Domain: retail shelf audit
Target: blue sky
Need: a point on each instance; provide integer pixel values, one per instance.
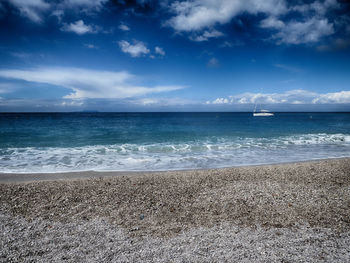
(208, 55)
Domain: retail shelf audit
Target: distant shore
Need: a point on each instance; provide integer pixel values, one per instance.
(291, 212)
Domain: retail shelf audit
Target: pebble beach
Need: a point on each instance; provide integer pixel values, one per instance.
(297, 212)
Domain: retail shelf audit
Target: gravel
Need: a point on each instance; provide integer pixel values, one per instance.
(277, 213)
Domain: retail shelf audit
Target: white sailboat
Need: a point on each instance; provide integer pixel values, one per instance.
(262, 113)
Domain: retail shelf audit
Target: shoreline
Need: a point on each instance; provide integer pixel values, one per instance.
(91, 174)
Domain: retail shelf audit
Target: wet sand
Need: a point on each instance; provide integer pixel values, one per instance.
(273, 213)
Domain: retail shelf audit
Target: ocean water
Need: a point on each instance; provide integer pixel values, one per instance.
(57, 142)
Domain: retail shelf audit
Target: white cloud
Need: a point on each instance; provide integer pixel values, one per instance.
(309, 31)
(219, 101)
(336, 97)
(86, 83)
(59, 14)
(319, 8)
(163, 102)
(206, 35)
(197, 15)
(31, 8)
(35, 9)
(159, 51)
(79, 27)
(289, 97)
(124, 27)
(136, 50)
(272, 22)
(88, 4)
(74, 103)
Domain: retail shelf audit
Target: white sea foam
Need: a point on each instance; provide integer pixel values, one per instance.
(209, 153)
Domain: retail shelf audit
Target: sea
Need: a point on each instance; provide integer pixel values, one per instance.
(65, 142)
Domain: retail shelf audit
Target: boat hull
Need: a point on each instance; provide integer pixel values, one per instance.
(262, 114)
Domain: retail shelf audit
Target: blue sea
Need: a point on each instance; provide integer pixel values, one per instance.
(59, 142)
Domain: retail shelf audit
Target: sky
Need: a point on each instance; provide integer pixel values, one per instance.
(190, 55)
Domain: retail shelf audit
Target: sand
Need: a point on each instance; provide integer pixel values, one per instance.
(296, 212)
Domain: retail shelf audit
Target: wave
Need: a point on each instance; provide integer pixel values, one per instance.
(209, 153)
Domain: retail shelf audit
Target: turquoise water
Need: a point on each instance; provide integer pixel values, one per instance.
(55, 142)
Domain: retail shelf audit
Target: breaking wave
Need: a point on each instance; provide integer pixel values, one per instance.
(209, 153)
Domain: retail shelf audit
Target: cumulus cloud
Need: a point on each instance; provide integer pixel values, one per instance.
(219, 101)
(289, 97)
(124, 27)
(317, 7)
(86, 83)
(70, 103)
(272, 22)
(159, 51)
(79, 27)
(162, 102)
(206, 35)
(198, 15)
(336, 97)
(295, 32)
(136, 50)
(310, 28)
(311, 24)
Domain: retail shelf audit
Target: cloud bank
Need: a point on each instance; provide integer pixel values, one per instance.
(85, 83)
(289, 97)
